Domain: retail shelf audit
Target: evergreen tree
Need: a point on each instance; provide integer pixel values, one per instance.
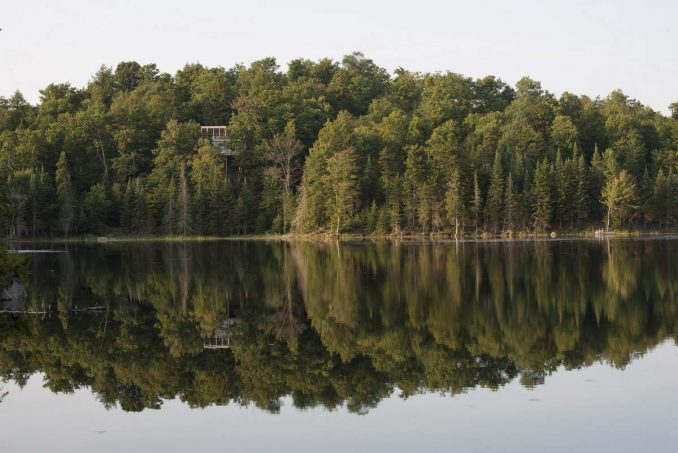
(541, 215)
(65, 194)
(383, 222)
(272, 198)
(495, 194)
(141, 216)
(620, 197)
(42, 203)
(96, 208)
(373, 217)
(199, 210)
(660, 199)
(169, 218)
(582, 200)
(418, 176)
(564, 179)
(394, 203)
(342, 175)
(672, 198)
(244, 209)
(207, 174)
(454, 203)
(184, 205)
(477, 202)
(510, 204)
(597, 181)
(334, 137)
(126, 214)
(646, 195)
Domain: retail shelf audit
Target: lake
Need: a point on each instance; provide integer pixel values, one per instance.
(550, 345)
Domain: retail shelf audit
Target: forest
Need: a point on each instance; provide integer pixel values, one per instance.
(330, 147)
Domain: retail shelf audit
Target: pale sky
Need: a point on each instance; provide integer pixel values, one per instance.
(585, 47)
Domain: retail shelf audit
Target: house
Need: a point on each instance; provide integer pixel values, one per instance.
(219, 138)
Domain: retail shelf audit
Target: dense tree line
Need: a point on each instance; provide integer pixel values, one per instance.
(334, 325)
(329, 146)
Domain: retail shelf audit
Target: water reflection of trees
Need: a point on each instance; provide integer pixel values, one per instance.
(331, 325)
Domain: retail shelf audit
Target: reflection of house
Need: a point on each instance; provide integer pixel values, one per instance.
(219, 138)
(222, 335)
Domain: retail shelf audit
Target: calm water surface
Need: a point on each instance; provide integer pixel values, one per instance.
(252, 346)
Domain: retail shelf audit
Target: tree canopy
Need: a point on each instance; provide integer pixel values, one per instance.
(430, 153)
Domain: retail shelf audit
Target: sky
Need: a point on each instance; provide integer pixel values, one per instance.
(585, 47)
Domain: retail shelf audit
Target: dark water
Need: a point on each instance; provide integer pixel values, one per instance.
(252, 346)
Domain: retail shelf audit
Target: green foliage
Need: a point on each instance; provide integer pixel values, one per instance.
(410, 133)
(356, 83)
(95, 209)
(564, 133)
(621, 198)
(341, 185)
(674, 110)
(542, 196)
(65, 194)
(495, 195)
(454, 203)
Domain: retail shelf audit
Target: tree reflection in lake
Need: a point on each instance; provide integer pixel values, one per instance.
(333, 324)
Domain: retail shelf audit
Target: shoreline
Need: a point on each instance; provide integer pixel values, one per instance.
(348, 237)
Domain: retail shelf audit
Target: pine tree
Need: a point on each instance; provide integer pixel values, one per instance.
(510, 204)
(96, 207)
(454, 202)
(383, 221)
(142, 220)
(372, 217)
(671, 198)
(126, 214)
(660, 198)
(418, 187)
(170, 214)
(199, 210)
(477, 202)
(394, 203)
(495, 194)
(64, 193)
(561, 195)
(541, 215)
(525, 199)
(582, 200)
(271, 199)
(34, 188)
(226, 206)
(184, 218)
(245, 204)
(596, 182)
(611, 166)
(646, 197)
(342, 177)
(42, 202)
(620, 196)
